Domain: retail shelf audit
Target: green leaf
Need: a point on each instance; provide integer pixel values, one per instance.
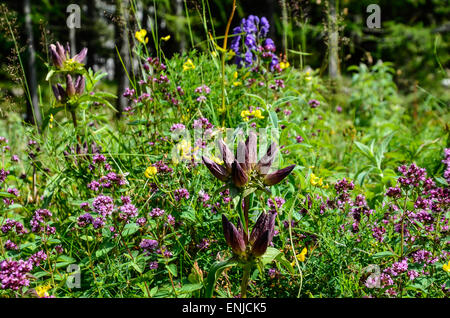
(172, 268)
(136, 267)
(383, 254)
(214, 273)
(105, 250)
(189, 288)
(49, 74)
(64, 261)
(270, 255)
(130, 229)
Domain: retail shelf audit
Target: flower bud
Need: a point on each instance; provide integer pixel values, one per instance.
(227, 155)
(278, 176)
(238, 175)
(265, 162)
(70, 88)
(233, 237)
(261, 244)
(251, 153)
(217, 170)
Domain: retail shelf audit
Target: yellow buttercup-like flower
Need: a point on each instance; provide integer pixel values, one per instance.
(284, 65)
(150, 171)
(141, 36)
(166, 38)
(446, 267)
(189, 65)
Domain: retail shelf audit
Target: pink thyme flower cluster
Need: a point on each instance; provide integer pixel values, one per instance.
(156, 212)
(446, 161)
(15, 274)
(149, 246)
(180, 194)
(127, 210)
(39, 222)
(203, 90)
(14, 192)
(275, 204)
(177, 127)
(13, 225)
(108, 181)
(412, 175)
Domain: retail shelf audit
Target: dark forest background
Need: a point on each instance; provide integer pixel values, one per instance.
(414, 36)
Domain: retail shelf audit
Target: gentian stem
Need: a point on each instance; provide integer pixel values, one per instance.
(245, 279)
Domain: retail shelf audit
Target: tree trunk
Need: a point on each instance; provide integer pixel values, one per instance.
(122, 40)
(333, 43)
(180, 26)
(33, 110)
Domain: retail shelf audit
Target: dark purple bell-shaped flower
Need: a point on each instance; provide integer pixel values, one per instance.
(239, 169)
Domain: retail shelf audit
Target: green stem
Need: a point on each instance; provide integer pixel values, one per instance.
(245, 280)
(223, 58)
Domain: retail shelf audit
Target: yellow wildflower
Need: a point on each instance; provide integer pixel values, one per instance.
(189, 65)
(284, 65)
(315, 181)
(302, 255)
(51, 121)
(166, 38)
(253, 113)
(446, 267)
(42, 291)
(308, 76)
(235, 76)
(150, 171)
(141, 36)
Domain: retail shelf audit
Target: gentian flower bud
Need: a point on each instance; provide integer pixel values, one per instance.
(278, 176)
(217, 170)
(70, 88)
(261, 244)
(233, 237)
(238, 175)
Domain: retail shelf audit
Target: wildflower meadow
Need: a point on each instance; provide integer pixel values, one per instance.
(237, 166)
